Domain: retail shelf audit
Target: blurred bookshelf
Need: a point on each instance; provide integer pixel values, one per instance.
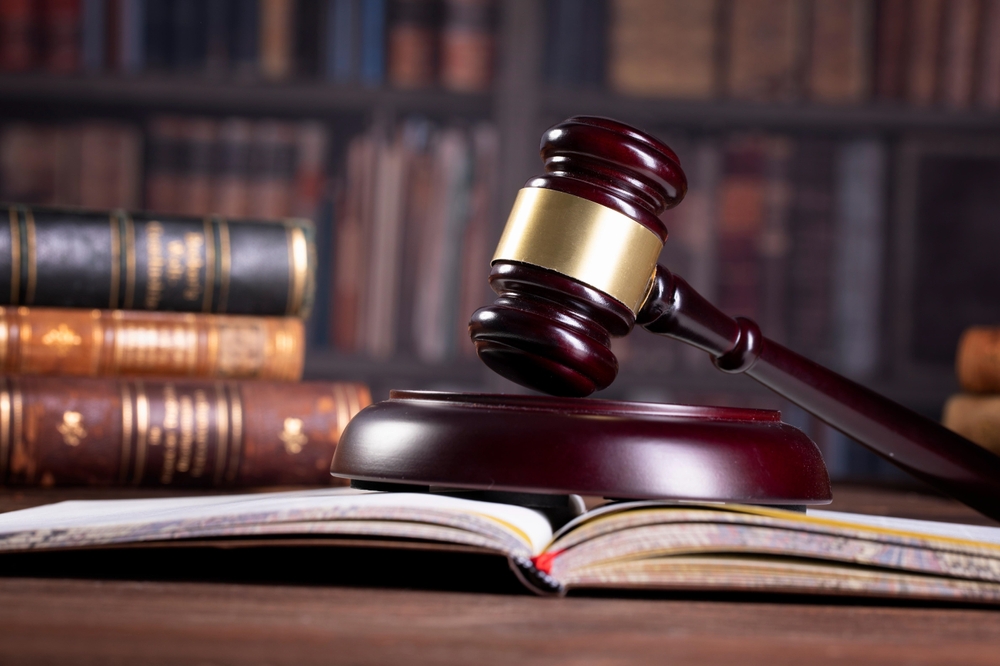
(822, 106)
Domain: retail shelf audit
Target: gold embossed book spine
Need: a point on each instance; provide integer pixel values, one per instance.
(116, 432)
(76, 342)
(143, 261)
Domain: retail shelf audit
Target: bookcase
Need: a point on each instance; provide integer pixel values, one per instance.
(524, 99)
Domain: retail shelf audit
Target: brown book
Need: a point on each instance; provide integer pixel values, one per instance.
(79, 342)
(412, 43)
(277, 21)
(61, 22)
(272, 169)
(988, 71)
(110, 163)
(892, 22)
(975, 417)
(231, 169)
(467, 45)
(28, 165)
(194, 171)
(664, 48)
(927, 22)
(765, 45)
(162, 175)
(18, 28)
(108, 432)
(958, 63)
(977, 362)
(840, 54)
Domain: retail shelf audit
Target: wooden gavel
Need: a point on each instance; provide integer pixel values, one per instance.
(577, 265)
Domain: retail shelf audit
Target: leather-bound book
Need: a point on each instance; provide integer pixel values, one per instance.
(61, 21)
(892, 33)
(412, 37)
(467, 45)
(840, 58)
(18, 38)
(925, 51)
(77, 342)
(277, 18)
(765, 45)
(112, 432)
(987, 85)
(144, 261)
(664, 48)
(963, 20)
(977, 362)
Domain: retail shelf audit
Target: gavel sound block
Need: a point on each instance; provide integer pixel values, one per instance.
(576, 265)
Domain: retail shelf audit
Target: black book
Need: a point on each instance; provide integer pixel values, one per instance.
(88, 259)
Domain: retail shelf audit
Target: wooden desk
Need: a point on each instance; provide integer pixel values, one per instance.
(93, 621)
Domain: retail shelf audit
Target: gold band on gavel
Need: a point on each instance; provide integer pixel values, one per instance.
(583, 240)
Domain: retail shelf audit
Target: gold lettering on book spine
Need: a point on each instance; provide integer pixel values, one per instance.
(127, 425)
(171, 419)
(155, 263)
(236, 414)
(142, 429)
(71, 428)
(116, 261)
(292, 436)
(63, 338)
(15, 256)
(222, 432)
(298, 268)
(5, 409)
(187, 434)
(202, 421)
(29, 292)
(206, 304)
(17, 431)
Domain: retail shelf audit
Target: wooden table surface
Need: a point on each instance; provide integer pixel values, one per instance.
(83, 621)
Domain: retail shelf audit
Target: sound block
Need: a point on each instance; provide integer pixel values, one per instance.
(560, 446)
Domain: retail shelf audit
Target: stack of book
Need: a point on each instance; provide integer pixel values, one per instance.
(410, 43)
(975, 413)
(919, 52)
(140, 349)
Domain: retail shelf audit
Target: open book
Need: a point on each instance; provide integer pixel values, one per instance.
(627, 545)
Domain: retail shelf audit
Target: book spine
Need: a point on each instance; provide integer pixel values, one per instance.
(110, 432)
(467, 45)
(308, 15)
(962, 22)
(132, 49)
(975, 417)
(373, 20)
(276, 25)
(189, 35)
(412, 37)
(158, 33)
(838, 66)
(72, 258)
(92, 40)
(246, 38)
(18, 38)
(892, 18)
(977, 362)
(764, 49)
(83, 343)
(925, 51)
(988, 75)
(61, 21)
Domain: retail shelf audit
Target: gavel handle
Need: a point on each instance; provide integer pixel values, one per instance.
(922, 447)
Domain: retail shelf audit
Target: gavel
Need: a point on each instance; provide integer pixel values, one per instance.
(577, 265)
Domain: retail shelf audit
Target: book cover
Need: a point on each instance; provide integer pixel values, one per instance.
(76, 342)
(467, 45)
(977, 361)
(373, 42)
(412, 43)
(963, 19)
(60, 35)
(277, 18)
(892, 48)
(188, 433)
(18, 35)
(987, 82)
(927, 27)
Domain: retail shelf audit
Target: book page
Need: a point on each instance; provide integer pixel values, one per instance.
(510, 529)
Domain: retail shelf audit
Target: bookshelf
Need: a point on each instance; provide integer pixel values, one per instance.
(521, 104)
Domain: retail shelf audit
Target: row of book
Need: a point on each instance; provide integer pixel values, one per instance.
(407, 43)
(920, 52)
(141, 349)
(414, 224)
(193, 165)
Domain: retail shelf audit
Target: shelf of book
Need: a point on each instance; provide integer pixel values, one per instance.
(735, 114)
(164, 93)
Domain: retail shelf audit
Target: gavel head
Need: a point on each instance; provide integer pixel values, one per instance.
(577, 257)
